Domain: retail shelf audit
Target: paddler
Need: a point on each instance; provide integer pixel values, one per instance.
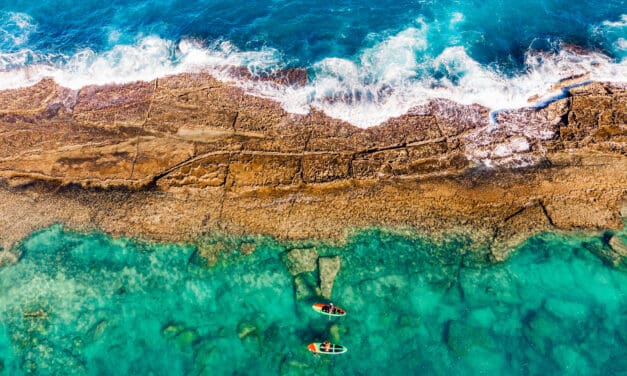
(326, 346)
(330, 307)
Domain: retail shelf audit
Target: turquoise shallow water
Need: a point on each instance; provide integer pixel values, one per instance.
(89, 304)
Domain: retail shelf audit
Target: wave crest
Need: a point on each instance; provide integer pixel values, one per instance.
(383, 81)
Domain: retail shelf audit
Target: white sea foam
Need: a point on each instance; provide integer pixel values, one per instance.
(617, 24)
(388, 80)
(149, 58)
(385, 80)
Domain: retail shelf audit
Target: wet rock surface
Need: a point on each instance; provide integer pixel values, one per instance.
(185, 155)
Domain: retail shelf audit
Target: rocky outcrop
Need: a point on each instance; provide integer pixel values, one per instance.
(182, 156)
(530, 219)
(329, 267)
(300, 261)
(618, 245)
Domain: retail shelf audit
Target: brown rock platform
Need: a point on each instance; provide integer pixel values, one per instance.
(186, 155)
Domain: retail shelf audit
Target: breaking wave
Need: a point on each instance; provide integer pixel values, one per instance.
(384, 80)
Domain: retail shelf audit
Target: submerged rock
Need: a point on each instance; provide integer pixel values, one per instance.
(7, 258)
(181, 335)
(29, 366)
(305, 286)
(294, 367)
(570, 360)
(171, 330)
(336, 331)
(565, 309)
(462, 338)
(540, 331)
(329, 267)
(204, 358)
(300, 260)
(247, 248)
(245, 329)
(210, 252)
(618, 245)
(608, 256)
(186, 338)
(97, 330)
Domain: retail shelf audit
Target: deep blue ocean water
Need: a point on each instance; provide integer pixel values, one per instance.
(379, 57)
(87, 304)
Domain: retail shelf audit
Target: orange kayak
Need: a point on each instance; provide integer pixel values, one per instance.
(332, 349)
(324, 309)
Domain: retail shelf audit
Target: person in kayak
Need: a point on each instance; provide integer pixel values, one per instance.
(330, 307)
(326, 346)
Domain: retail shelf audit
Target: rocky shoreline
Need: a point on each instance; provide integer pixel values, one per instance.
(183, 156)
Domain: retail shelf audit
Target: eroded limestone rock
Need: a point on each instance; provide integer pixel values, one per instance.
(183, 156)
(329, 267)
(300, 260)
(531, 219)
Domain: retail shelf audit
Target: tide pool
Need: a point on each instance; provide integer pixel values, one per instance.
(89, 304)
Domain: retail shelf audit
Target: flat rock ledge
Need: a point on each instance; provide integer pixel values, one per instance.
(184, 156)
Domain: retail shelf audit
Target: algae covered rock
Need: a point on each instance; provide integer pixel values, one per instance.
(245, 329)
(207, 254)
(170, 330)
(180, 334)
(186, 338)
(294, 367)
(609, 257)
(336, 331)
(300, 260)
(247, 248)
(329, 267)
(305, 286)
(7, 258)
(618, 245)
